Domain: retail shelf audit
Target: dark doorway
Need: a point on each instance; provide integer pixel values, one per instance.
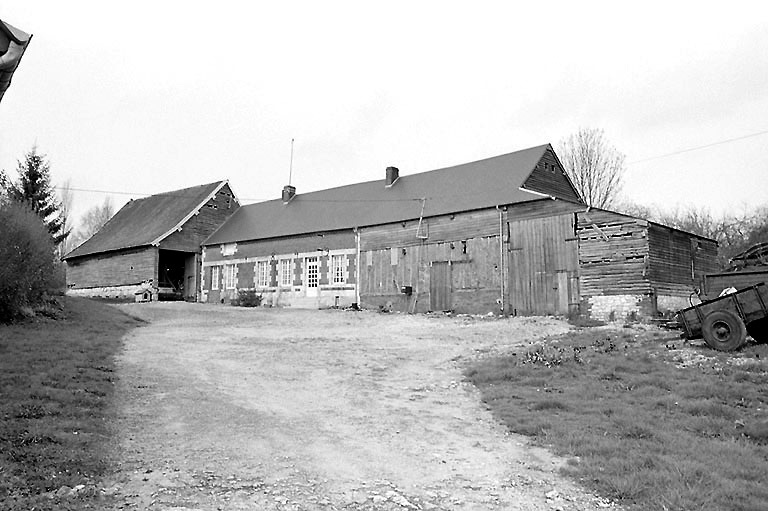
(171, 274)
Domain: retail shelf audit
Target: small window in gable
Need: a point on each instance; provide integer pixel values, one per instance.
(228, 249)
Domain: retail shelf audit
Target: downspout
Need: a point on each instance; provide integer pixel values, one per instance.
(501, 260)
(202, 276)
(357, 270)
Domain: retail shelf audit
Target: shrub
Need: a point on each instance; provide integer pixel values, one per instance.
(26, 260)
(247, 298)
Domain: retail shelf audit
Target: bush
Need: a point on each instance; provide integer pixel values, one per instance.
(247, 298)
(26, 260)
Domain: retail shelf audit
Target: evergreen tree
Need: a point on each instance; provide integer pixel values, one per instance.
(34, 190)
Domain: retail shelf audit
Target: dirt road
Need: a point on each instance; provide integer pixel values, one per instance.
(268, 409)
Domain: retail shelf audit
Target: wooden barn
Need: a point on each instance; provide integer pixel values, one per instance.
(507, 234)
(151, 246)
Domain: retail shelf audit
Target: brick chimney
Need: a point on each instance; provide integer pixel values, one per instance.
(288, 193)
(392, 174)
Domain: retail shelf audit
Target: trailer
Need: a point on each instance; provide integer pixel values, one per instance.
(725, 321)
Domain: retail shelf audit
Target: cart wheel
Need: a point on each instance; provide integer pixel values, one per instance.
(758, 329)
(724, 330)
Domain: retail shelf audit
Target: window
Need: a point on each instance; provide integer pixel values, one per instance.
(262, 275)
(215, 276)
(285, 272)
(228, 249)
(230, 276)
(337, 269)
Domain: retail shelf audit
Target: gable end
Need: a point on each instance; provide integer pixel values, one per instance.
(549, 178)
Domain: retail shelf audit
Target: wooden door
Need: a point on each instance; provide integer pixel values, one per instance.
(312, 277)
(440, 286)
(543, 265)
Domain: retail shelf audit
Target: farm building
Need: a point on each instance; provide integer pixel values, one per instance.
(151, 246)
(507, 234)
(746, 269)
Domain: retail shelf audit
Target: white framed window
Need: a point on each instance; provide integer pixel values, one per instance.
(286, 278)
(338, 270)
(215, 277)
(262, 273)
(230, 276)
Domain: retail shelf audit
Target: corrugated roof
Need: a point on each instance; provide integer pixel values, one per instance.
(13, 42)
(480, 184)
(145, 221)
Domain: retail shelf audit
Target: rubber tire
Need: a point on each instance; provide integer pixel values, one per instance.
(724, 331)
(758, 329)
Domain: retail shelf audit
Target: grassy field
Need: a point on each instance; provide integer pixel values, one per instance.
(642, 418)
(56, 385)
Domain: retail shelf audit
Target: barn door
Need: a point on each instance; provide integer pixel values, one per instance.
(440, 286)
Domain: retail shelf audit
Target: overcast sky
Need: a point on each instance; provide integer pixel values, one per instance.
(144, 97)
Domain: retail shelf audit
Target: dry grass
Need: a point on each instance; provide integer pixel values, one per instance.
(56, 381)
(645, 420)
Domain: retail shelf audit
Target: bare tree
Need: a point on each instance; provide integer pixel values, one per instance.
(66, 199)
(594, 166)
(93, 220)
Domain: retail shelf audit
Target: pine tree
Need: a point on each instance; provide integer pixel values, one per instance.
(34, 190)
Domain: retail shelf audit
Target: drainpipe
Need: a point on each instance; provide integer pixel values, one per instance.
(357, 270)
(501, 259)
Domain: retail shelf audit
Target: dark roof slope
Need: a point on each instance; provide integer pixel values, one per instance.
(481, 184)
(145, 221)
(13, 42)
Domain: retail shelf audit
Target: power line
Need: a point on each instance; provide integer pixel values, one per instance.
(698, 147)
(244, 199)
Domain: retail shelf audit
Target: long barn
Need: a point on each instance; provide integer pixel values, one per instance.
(504, 235)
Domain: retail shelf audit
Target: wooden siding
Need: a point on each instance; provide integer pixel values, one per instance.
(678, 260)
(288, 245)
(549, 178)
(475, 280)
(459, 226)
(201, 225)
(545, 275)
(613, 254)
(122, 268)
(715, 283)
(543, 265)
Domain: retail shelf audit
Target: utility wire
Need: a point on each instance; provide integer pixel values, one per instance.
(651, 158)
(698, 147)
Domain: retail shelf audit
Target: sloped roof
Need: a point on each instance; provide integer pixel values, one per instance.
(13, 42)
(477, 185)
(147, 221)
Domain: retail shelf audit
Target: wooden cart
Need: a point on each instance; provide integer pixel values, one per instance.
(725, 321)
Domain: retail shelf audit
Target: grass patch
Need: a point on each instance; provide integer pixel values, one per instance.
(651, 423)
(56, 385)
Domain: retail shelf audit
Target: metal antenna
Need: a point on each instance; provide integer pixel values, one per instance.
(290, 169)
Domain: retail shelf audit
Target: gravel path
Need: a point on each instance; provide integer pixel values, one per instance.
(269, 409)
